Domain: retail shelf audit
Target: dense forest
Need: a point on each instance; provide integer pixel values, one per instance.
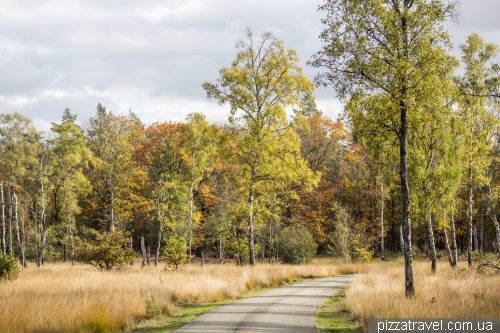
(229, 190)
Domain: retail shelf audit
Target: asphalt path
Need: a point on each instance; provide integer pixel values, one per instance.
(289, 309)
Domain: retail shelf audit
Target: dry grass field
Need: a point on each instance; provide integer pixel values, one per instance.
(63, 298)
(451, 293)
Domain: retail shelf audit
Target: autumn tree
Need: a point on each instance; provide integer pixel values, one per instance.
(262, 81)
(323, 145)
(436, 146)
(389, 47)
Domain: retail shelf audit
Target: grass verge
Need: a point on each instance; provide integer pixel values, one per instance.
(333, 316)
(187, 312)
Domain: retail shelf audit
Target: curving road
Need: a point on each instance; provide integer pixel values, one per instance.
(288, 309)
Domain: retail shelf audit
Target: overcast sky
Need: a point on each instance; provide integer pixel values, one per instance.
(152, 56)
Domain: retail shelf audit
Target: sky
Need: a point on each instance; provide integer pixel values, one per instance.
(153, 56)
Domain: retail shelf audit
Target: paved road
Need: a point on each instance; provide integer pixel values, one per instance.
(289, 309)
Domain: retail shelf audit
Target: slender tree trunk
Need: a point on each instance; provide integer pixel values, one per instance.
(250, 228)
(111, 226)
(131, 246)
(401, 239)
(18, 234)
(160, 230)
(475, 242)
(220, 249)
(454, 241)
(447, 244)
(41, 250)
(493, 215)
(430, 231)
(68, 221)
(403, 155)
(270, 240)
(405, 195)
(9, 195)
(480, 231)
(144, 255)
(190, 218)
(23, 241)
(382, 217)
(68, 231)
(432, 245)
(3, 219)
(484, 232)
(469, 215)
(191, 185)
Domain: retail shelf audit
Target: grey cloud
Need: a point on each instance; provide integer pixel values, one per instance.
(89, 51)
(20, 76)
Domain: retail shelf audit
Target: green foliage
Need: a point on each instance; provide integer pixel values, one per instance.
(9, 270)
(296, 245)
(106, 251)
(175, 252)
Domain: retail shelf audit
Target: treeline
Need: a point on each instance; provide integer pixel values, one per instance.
(227, 190)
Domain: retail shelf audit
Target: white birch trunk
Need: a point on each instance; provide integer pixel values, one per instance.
(382, 217)
(454, 241)
(4, 248)
(9, 196)
(144, 255)
(18, 234)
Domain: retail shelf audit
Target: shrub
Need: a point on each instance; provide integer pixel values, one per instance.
(9, 270)
(175, 252)
(107, 251)
(296, 245)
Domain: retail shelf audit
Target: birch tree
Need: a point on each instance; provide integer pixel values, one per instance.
(390, 47)
(480, 118)
(264, 79)
(17, 137)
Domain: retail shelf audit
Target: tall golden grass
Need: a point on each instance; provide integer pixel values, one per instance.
(59, 297)
(450, 293)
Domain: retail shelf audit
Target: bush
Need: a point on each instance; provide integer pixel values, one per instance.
(107, 251)
(9, 270)
(175, 252)
(296, 245)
